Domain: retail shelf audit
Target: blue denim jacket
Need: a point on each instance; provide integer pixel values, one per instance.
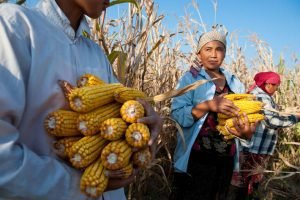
(181, 111)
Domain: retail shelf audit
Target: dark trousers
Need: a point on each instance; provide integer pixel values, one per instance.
(208, 178)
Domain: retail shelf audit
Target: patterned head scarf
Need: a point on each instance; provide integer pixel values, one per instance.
(214, 35)
(262, 78)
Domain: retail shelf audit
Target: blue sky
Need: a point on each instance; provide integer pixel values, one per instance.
(277, 22)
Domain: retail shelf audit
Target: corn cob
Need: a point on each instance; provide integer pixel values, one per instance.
(113, 128)
(124, 94)
(62, 123)
(131, 111)
(141, 158)
(63, 146)
(86, 150)
(251, 117)
(116, 155)
(86, 99)
(89, 80)
(89, 123)
(137, 135)
(94, 181)
(247, 107)
(122, 173)
(234, 97)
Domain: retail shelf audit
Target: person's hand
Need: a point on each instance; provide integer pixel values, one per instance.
(243, 128)
(220, 104)
(114, 182)
(153, 121)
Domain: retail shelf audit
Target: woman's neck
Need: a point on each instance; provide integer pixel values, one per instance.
(214, 73)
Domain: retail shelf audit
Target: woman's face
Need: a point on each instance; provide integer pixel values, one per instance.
(271, 88)
(92, 8)
(212, 55)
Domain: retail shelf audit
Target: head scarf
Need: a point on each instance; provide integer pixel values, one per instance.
(262, 78)
(213, 35)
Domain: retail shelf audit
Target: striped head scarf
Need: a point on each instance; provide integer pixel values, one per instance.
(214, 35)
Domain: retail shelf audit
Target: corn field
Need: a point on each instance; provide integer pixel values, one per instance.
(146, 56)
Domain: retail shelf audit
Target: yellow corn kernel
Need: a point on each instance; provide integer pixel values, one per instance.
(116, 155)
(251, 118)
(131, 111)
(234, 97)
(62, 147)
(137, 135)
(89, 98)
(124, 94)
(86, 150)
(113, 128)
(89, 80)
(89, 123)
(245, 106)
(94, 181)
(62, 123)
(142, 158)
(122, 173)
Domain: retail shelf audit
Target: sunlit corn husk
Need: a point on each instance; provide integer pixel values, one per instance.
(63, 146)
(137, 135)
(89, 80)
(89, 123)
(94, 181)
(86, 99)
(86, 150)
(113, 128)
(131, 111)
(116, 155)
(62, 123)
(142, 158)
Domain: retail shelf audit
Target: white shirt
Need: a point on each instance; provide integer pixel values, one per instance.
(38, 47)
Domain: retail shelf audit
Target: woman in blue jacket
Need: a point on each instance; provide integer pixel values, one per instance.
(204, 160)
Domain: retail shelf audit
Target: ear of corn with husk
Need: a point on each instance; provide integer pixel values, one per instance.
(86, 150)
(247, 104)
(142, 158)
(116, 155)
(86, 99)
(131, 111)
(113, 129)
(137, 135)
(94, 181)
(124, 94)
(62, 123)
(89, 80)
(89, 123)
(63, 146)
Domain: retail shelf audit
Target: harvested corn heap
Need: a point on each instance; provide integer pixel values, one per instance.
(248, 104)
(92, 136)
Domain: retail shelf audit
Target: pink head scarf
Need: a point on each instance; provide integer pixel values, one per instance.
(262, 78)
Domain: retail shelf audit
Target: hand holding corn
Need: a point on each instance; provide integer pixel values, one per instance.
(248, 117)
(154, 122)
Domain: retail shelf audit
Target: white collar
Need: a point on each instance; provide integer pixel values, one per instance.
(56, 16)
